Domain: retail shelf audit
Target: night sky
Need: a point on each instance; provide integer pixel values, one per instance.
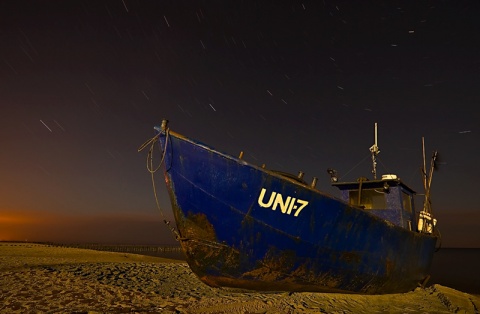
(297, 85)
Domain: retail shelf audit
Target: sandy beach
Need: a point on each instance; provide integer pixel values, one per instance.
(37, 278)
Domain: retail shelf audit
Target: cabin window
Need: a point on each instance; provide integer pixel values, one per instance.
(370, 199)
(407, 202)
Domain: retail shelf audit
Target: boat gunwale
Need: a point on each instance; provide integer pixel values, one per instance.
(291, 180)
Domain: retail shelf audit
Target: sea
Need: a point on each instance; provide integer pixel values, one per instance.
(457, 268)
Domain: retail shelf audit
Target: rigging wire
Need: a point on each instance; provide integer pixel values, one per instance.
(152, 143)
(368, 156)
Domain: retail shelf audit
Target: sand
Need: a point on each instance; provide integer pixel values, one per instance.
(36, 278)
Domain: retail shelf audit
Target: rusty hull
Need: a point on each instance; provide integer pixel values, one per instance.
(231, 239)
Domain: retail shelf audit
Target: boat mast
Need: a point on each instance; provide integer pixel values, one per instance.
(375, 151)
(427, 178)
(426, 222)
(424, 169)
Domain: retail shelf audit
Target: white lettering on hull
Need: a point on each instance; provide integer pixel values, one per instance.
(286, 205)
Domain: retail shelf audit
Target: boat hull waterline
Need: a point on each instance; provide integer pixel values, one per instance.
(244, 226)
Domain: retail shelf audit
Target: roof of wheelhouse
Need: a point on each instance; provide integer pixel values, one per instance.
(372, 184)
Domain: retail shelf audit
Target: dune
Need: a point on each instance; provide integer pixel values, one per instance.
(41, 278)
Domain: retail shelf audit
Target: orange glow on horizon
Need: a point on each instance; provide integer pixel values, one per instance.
(14, 223)
(22, 216)
(40, 226)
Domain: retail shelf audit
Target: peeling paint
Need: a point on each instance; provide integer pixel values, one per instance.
(230, 240)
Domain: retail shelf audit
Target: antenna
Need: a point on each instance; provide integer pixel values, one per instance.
(375, 151)
(424, 169)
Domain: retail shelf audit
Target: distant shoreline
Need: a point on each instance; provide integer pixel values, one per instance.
(151, 250)
(82, 244)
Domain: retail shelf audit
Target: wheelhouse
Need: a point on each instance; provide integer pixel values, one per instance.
(388, 198)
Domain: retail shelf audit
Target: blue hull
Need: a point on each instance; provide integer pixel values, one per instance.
(247, 227)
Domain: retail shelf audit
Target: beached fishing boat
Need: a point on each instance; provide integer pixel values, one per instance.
(242, 225)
